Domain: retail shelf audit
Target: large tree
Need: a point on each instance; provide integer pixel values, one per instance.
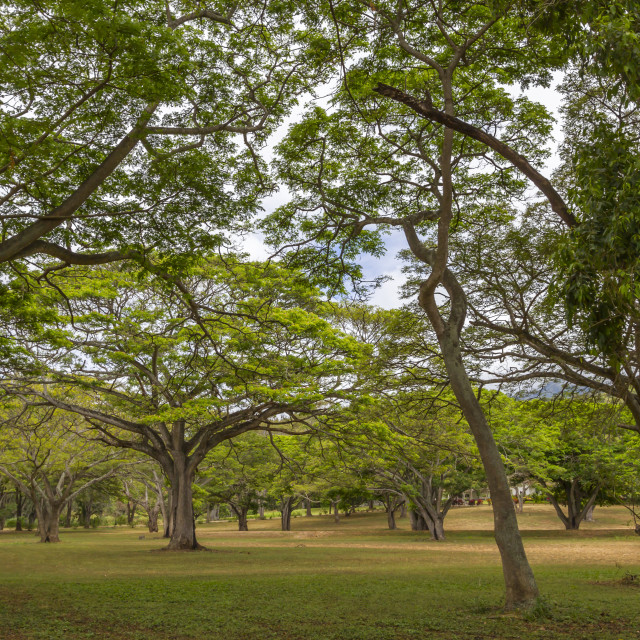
(137, 125)
(52, 457)
(380, 158)
(172, 380)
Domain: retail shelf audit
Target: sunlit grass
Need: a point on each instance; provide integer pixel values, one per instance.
(354, 579)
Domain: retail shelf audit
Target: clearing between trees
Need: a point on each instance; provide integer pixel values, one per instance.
(322, 580)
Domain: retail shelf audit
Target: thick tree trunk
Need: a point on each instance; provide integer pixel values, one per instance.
(418, 523)
(214, 514)
(521, 588)
(429, 518)
(183, 525)
(49, 522)
(87, 509)
(438, 529)
(308, 514)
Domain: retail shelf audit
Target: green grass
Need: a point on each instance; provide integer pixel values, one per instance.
(347, 581)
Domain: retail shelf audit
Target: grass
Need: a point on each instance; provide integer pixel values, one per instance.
(347, 581)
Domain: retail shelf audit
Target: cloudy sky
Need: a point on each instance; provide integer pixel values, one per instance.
(388, 265)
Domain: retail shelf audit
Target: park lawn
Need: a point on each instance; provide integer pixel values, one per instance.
(352, 580)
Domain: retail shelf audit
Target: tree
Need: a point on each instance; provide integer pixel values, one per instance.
(569, 297)
(382, 158)
(251, 351)
(423, 456)
(52, 457)
(569, 448)
(237, 472)
(113, 112)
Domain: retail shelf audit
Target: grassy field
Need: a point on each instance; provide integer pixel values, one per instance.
(352, 580)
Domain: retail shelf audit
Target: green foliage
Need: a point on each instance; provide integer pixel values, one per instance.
(78, 78)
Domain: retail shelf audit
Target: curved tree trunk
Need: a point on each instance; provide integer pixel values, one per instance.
(131, 512)
(521, 588)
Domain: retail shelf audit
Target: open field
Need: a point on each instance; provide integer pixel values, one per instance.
(352, 580)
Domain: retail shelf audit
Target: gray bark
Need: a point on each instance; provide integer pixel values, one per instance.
(182, 520)
(286, 507)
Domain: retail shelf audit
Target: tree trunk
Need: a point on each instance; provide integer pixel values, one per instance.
(336, 511)
(308, 514)
(575, 511)
(165, 509)
(521, 588)
(241, 512)
(67, 519)
(183, 524)
(152, 522)
(19, 504)
(520, 496)
(418, 523)
(286, 507)
(438, 529)
(214, 514)
(588, 516)
(131, 512)
(87, 509)
(49, 522)
(403, 509)
(391, 518)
